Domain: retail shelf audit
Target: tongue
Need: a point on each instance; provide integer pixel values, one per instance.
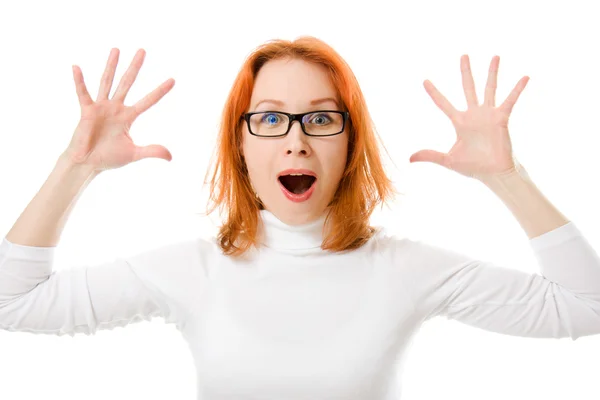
(297, 184)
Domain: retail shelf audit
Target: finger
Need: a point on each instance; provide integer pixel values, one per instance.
(492, 82)
(439, 99)
(512, 98)
(153, 97)
(152, 151)
(468, 83)
(430, 156)
(109, 74)
(82, 92)
(129, 76)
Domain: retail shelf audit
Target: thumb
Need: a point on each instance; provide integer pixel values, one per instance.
(430, 156)
(152, 151)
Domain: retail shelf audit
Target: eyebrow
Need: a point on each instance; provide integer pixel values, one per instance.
(312, 103)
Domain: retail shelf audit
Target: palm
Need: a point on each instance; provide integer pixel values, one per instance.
(101, 138)
(483, 146)
(109, 143)
(478, 152)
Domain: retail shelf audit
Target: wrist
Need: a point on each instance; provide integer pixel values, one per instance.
(79, 171)
(513, 175)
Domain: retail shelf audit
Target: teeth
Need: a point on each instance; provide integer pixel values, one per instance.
(296, 174)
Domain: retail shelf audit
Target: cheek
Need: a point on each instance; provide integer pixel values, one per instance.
(338, 157)
(257, 160)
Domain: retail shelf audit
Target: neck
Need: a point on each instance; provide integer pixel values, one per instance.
(278, 235)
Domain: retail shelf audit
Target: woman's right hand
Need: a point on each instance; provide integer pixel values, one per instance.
(101, 140)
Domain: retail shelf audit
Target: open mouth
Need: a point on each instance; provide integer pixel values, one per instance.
(297, 183)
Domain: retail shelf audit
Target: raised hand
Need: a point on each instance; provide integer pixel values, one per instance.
(483, 147)
(101, 139)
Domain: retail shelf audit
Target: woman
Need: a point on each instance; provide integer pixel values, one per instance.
(298, 297)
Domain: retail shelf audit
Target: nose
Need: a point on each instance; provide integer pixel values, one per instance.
(297, 142)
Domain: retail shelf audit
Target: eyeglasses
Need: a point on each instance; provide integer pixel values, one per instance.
(314, 123)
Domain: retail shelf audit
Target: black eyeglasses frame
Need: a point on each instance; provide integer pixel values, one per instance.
(296, 117)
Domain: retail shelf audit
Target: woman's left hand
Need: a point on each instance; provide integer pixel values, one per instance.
(483, 147)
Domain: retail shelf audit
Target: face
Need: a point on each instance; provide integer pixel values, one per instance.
(294, 86)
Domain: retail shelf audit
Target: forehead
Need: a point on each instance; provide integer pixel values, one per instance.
(294, 82)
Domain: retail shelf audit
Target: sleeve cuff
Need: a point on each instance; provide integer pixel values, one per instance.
(555, 237)
(26, 252)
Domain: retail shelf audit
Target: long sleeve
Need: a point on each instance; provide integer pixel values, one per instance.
(161, 282)
(561, 301)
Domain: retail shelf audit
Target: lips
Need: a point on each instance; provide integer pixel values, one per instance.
(297, 184)
(297, 171)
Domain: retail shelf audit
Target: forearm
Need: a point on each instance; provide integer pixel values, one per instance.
(44, 218)
(531, 208)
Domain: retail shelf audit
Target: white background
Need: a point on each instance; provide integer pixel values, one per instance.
(392, 47)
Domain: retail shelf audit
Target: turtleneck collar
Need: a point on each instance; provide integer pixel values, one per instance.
(280, 236)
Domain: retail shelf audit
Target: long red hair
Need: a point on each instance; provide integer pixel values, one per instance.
(362, 187)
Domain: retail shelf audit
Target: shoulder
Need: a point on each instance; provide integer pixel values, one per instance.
(394, 245)
(182, 248)
(405, 251)
(186, 257)
(427, 272)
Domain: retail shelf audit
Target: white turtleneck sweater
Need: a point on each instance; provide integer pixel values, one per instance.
(292, 321)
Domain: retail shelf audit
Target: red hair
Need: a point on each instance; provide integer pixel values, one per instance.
(362, 187)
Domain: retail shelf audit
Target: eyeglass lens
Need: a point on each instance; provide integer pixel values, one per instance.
(317, 123)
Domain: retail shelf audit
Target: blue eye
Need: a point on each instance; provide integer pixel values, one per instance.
(270, 118)
(320, 119)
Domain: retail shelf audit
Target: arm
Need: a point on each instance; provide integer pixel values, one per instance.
(564, 300)
(162, 282)
(44, 218)
(34, 298)
(561, 301)
(530, 207)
